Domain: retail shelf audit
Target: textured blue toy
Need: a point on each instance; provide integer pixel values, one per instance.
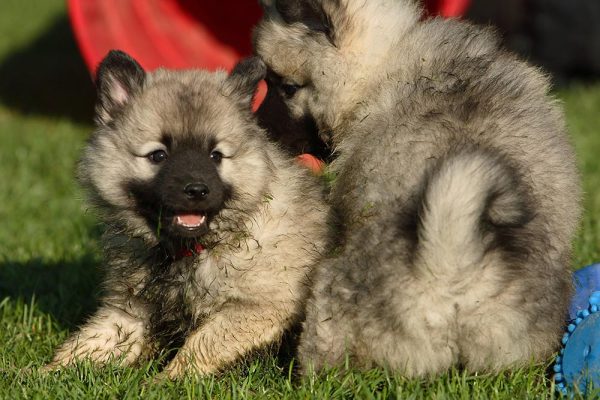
(577, 367)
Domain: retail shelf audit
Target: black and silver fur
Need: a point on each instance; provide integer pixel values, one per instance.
(211, 231)
(456, 186)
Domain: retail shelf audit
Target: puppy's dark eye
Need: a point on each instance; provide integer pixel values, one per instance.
(158, 156)
(289, 90)
(216, 156)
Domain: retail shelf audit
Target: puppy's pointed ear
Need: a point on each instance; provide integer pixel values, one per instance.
(269, 7)
(244, 79)
(118, 78)
(307, 12)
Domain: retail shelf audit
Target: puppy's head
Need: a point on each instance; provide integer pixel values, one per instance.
(323, 54)
(175, 152)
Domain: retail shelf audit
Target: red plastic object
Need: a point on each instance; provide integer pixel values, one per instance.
(175, 34)
(165, 33)
(447, 8)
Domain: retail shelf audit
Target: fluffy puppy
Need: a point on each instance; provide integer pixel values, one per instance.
(210, 230)
(456, 186)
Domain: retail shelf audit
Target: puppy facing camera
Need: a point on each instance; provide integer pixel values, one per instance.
(211, 231)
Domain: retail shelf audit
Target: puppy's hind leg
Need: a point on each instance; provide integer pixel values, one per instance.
(396, 324)
(515, 328)
(326, 335)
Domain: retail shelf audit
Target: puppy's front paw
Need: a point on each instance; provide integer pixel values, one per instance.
(184, 364)
(63, 357)
(50, 367)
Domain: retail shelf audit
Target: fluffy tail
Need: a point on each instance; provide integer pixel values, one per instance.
(471, 201)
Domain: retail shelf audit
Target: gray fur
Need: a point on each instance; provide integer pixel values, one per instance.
(250, 283)
(456, 186)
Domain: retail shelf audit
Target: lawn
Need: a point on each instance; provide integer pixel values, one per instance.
(49, 253)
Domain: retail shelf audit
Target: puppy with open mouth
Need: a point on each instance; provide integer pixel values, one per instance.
(211, 231)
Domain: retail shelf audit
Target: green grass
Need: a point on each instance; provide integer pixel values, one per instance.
(49, 253)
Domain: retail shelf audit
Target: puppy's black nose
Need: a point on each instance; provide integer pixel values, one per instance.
(196, 190)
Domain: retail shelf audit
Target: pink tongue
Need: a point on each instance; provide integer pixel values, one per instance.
(189, 220)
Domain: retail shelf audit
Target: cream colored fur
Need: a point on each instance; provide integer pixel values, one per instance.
(249, 285)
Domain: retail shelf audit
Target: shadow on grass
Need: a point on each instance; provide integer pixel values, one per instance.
(67, 290)
(48, 77)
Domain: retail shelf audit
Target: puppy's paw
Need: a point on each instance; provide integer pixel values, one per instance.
(60, 360)
(50, 367)
(183, 365)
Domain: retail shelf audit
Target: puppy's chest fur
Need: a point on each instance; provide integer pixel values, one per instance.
(181, 293)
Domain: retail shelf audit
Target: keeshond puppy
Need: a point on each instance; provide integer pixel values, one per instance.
(211, 231)
(456, 186)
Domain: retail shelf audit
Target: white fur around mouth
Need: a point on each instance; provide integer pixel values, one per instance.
(189, 221)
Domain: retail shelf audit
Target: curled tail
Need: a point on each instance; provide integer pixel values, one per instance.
(470, 199)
